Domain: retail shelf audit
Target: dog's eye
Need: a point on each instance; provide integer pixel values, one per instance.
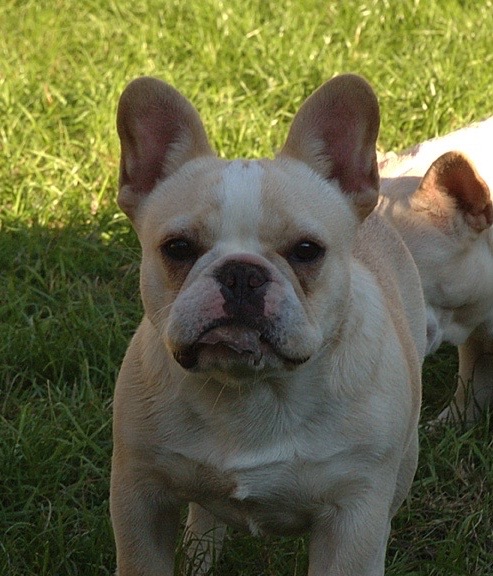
(305, 252)
(179, 249)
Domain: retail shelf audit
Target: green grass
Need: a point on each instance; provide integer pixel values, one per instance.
(69, 260)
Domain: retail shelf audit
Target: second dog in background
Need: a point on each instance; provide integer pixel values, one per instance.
(438, 195)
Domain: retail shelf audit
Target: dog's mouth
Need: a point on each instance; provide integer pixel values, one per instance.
(243, 341)
(233, 346)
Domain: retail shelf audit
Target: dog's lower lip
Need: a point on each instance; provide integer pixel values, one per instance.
(239, 339)
(244, 341)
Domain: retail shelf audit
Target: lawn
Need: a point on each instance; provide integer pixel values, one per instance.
(69, 299)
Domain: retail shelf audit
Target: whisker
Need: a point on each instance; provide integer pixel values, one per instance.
(218, 397)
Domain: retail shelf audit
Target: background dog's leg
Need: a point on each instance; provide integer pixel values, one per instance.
(204, 537)
(474, 392)
(145, 530)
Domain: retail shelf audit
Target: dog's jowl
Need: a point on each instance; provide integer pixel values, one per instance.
(274, 382)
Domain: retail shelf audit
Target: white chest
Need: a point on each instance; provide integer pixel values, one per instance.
(280, 496)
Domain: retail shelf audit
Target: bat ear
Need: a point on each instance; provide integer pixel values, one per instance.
(335, 133)
(159, 131)
(453, 187)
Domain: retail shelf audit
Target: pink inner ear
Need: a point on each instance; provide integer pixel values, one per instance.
(145, 142)
(335, 132)
(455, 174)
(159, 131)
(353, 160)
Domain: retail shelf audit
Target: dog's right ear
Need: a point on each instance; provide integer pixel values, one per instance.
(452, 186)
(335, 133)
(159, 131)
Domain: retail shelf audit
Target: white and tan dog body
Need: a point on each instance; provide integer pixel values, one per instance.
(274, 382)
(438, 196)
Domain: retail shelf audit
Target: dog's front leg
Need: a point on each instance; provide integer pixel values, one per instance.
(349, 544)
(474, 392)
(145, 527)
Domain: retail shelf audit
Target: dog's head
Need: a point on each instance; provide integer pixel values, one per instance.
(246, 263)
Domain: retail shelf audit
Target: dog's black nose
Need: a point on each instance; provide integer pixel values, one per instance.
(243, 285)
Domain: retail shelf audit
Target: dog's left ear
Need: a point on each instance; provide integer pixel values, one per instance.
(335, 133)
(159, 131)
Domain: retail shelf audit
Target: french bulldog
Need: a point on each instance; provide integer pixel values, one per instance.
(437, 194)
(274, 383)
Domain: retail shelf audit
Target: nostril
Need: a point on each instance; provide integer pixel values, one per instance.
(229, 280)
(256, 278)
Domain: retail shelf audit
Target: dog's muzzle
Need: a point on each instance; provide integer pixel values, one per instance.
(242, 334)
(238, 331)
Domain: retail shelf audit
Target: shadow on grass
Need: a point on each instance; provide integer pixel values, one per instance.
(69, 300)
(69, 303)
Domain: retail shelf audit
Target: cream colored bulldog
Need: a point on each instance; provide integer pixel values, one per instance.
(274, 382)
(437, 196)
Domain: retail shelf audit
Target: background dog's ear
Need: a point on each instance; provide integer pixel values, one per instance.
(335, 132)
(452, 184)
(159, 131)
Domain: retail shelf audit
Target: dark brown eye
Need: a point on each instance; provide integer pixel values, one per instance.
(180, 250)
(305, 252)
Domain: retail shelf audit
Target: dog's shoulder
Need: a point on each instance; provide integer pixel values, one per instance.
(380, 249)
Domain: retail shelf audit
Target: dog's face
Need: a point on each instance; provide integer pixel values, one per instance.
(232, 280)
(445, 219)
(245, 263)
